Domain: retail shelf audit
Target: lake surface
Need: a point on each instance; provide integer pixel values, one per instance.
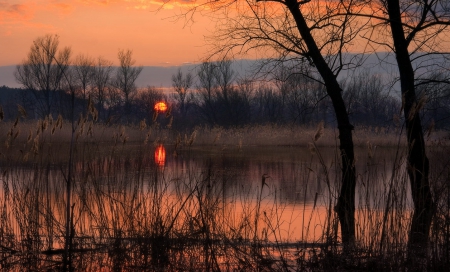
(244, 194)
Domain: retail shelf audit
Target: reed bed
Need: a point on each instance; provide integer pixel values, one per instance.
(127, 213)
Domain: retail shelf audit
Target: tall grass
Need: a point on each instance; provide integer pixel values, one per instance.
(130, 214)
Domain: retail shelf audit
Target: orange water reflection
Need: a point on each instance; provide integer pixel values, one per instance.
(160, 155)
(118, 202)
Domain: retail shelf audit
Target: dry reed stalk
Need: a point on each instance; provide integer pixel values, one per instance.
(35, 148)
(217, 137)
(22, 111)
(312, 148)
(169, 125)
(45, 124)
(16, 122)
(369, 149)
(30, 136)
(59, 121)
(319, 131)
(16, 134)
(430, 129)
(142, 125)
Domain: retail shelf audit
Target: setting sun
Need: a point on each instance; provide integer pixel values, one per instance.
(160, 106)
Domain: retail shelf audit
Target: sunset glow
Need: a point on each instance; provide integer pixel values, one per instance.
(154, 30)
(101, 28)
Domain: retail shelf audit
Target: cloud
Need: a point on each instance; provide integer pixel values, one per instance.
(139, 4)
(25, 10)
(15, 12)
(61, 7)
(19, 14)
(164, 4)
(100, 2)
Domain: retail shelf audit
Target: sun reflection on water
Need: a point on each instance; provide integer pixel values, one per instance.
(160, 156)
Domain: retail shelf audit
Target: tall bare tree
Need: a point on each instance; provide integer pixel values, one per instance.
(83, 68)
(416, 32)
(42, 71)
(126, 77)
(318, 32)
(101, 81)
(206, 92)
(181, 84)
(225, 79)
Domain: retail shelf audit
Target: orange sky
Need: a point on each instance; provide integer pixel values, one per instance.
(101, 27)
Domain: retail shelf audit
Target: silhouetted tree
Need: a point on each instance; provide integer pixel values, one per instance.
(83, 69)
(318, 31)
(299, 91)
(206, 96)
(436, 88)
(413, 31)
(224, 77)
(101, 82)
(240, 99)
(40, 72)
(181, 84)
(126, 77)
(368, 99)
(269, 105)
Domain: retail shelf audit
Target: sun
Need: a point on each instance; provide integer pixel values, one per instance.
(160, 106)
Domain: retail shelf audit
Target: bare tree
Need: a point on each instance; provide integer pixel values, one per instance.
(414, 31)
(269, 104)
(225, 78)
(181, 84)
(113, 104)
(101, 81)
(83, 67)
(42, 71)
(316, 31)
(241, 102)
(437, 90)
(299, 91)
(368, 99)
(126, 77)
(207, 85)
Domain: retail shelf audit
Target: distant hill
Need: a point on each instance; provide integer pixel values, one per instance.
(7, 76)
(151, 75)
(158, 76)
(382, 64)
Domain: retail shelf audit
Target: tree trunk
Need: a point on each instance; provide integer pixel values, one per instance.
(418, 164)
(345, 207)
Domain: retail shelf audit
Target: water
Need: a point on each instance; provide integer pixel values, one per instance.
(237, 195)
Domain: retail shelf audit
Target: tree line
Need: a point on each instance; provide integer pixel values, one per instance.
(212, 95)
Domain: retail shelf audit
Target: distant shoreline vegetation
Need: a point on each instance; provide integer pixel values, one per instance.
(233, 138)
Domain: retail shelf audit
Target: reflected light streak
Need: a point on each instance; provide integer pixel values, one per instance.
(160, 156)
